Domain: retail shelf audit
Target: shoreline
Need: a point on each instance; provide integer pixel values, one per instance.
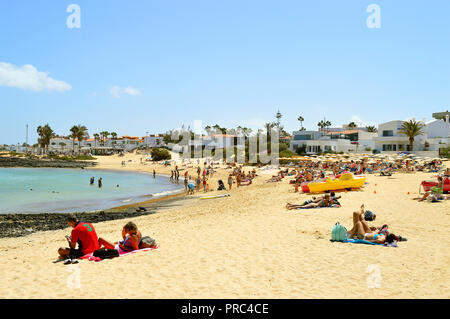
(18, 162)
(153, 196)
(20, 225)
(13, 225)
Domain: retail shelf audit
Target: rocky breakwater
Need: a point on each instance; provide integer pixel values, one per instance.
(32, 162)
(17, 225)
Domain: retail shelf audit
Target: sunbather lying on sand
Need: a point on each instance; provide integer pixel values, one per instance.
(274, 179)
(325, 201)
(375, 235)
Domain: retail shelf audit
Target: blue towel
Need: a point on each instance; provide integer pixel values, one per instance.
(361, 241)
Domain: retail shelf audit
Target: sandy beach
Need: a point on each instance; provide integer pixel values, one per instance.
(249, 245)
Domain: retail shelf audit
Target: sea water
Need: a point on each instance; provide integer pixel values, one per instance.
(51, 190)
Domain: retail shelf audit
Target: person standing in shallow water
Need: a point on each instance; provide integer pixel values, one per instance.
(92, 180)
(154, 174)
(100, 183)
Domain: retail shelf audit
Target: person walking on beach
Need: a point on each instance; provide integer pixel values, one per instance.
(198, 182)
(204, 184)
(82, 234)
(230, 181)
(186, 182)
(100, 182)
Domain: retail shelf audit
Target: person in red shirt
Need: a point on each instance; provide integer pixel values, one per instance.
(82, 233)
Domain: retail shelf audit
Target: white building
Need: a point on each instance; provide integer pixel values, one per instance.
(315, 141)
(154, 140)
(436, 135)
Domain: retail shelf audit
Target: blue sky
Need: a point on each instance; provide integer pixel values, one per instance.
(223, 62)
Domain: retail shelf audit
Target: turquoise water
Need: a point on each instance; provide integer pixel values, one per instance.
(47, 190)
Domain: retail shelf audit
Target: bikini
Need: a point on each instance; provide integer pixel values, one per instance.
(125, 245)
(374, 236)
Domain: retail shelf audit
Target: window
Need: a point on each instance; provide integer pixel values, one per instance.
(302, 137)
(387, 147)
(388, 133)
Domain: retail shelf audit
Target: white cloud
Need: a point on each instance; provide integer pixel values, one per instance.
(117, 91)
(29, 78)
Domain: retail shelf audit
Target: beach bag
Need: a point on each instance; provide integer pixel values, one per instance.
(147, 242)
(338, 233)
(104, 253)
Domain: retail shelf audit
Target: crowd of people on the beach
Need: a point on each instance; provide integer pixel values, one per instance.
(85, 236)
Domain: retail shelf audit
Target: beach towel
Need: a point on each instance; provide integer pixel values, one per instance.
(332, 206)
(121, 254)
(361, 241)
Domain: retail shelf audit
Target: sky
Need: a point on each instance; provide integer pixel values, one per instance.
(141, 66)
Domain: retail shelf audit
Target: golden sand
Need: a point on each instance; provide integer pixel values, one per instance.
(249, 245)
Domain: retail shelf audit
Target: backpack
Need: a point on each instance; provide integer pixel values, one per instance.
(104, 253)
(147, 242)
(338, 233)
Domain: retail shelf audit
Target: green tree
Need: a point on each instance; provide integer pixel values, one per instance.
(412, 129)
(78, 132)
(96, 138)
(114, 138)
(104, 135)
(45, 135)
(278, 116)
(352, 125)
(301, 120)
(371, 129)
(159, 154)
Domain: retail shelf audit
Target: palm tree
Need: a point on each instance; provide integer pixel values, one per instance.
(96, 138)
(82, 135)
(412, 129)
(352, 125)
(104, 135)
(45, 135)
(371, 129)
(79, 132)
(278, 116)
(301, 119)
(327, 124)
(321, 125)
(269, 126)
(246, 131)
(114, 138)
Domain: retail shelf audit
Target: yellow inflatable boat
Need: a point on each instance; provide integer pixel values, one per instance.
(345, 181)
